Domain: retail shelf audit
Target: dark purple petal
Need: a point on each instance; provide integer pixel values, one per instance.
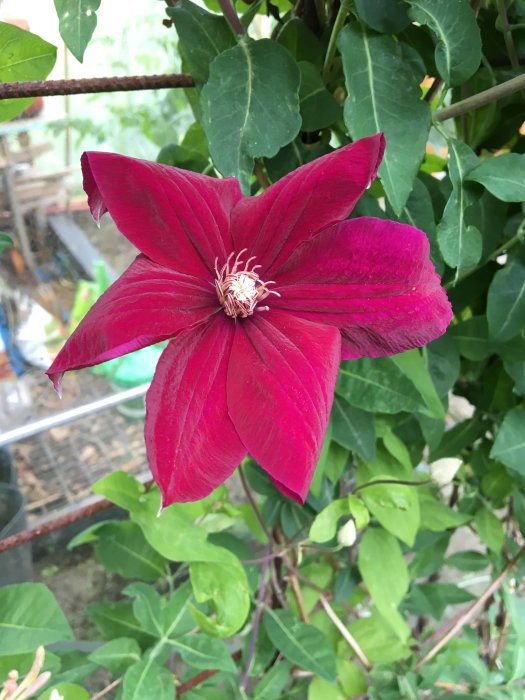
(371, 278)
(281, 381)
(190, 439)
(147, 304)
(309, 199)
(177, 218)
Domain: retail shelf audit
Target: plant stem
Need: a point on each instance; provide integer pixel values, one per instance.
(332, 43)
(231, 17)
(507, 34)
(425, 482)
(261, 175)
(469, 613)
(255, 507)
(481, 99)
(434, 89)
(259, 608)
(107, 689)
(349, 639)
(503, 248)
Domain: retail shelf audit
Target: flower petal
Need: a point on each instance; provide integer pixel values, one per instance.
(371, 278)
(190, 439)
(177, 218)
(281, 381)
(147, 304)
(304, 202)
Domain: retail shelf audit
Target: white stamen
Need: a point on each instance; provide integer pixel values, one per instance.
(239, 287)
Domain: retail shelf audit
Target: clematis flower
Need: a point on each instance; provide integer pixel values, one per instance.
(260, 299)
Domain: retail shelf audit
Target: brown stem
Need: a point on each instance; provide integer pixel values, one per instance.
(493, 94)
(82, 86)
(507, 34)
(261, 176)
(469, 613)
(253, 503)
(434, 89)
(107, 689)
(349, 639)
(201, 677)
(296, 588)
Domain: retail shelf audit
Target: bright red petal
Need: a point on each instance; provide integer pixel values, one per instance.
(371, 278)
(281, 381)
(177, 218)
(309, 199)
(191, 442)
(147, 304)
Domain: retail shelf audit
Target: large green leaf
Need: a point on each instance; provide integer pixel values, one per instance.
(117, 654)
(504, 176)
(460, 243)
(472, 338)
(378, 386)
(378, 640)
(205, 652)
(413, 365)
(509, 446)
(118, 620)
(458, 49)
(23, 56)
(490, 529)
(387, 16)
(30, 616)
(377, 103)
(300, 643)
(506, 300)
(318, 107)
(395, 506)
(202, 36)
(443, 363)
(77, 22)
(385, 574)
(272, 684)
(250, 105)
(147, 680)
(353, 428)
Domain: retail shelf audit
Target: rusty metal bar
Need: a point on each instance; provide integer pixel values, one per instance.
(82, 86)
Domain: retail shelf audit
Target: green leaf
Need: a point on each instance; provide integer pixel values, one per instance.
(69, 691)
(123, 549)
(117, 620)
(250, 106)
(380, 552)
(147, 608)
(472, 338)
(353, 428)
(490, 529)
(300, 643)
(318, 108)
(77, 22)
(509, 446)
(458, 48)
(443, 363)
(460, 243)
(202, 36)
(433, 598)
(272, 684)
(506, 300)
(468, 560)
(378, 385)
(324, 526)
(378, 640)
(5, 242)
(395, 506)
(204, 652)
(120, 488)
(412, 364)
(419, 212)
(436, 516)
(386, 16)
(117, 654)
(301, 42)
(516, 370)
(30, 616)
(147, 680)
(457, 438)
(23, 56)
(503, 176)
(377, 103)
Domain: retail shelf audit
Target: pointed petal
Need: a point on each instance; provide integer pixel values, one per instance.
(371, 278)
(281, 382)
(177, 218)
(304, 202)
(190, 439)
(147, 304)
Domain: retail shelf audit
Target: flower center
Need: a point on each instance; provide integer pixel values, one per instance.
(239, 287)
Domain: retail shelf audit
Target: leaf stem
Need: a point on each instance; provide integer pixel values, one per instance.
(507, 34)
(259, 609)
(332, 43)
(425, 482)
(255, 507)
(481, 99)
(349, 639)
(231, 17)
(469, 613)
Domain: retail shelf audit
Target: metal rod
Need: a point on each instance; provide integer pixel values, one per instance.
(82, 86)
(40, 426)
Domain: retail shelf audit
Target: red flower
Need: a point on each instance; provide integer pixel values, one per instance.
(261, 298)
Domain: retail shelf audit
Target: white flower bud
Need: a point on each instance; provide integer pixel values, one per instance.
(347, 534)
(442, 471)
(55, 695)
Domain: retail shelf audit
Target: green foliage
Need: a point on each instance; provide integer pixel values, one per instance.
(291, 91)
(23, 56)
(5, 242)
